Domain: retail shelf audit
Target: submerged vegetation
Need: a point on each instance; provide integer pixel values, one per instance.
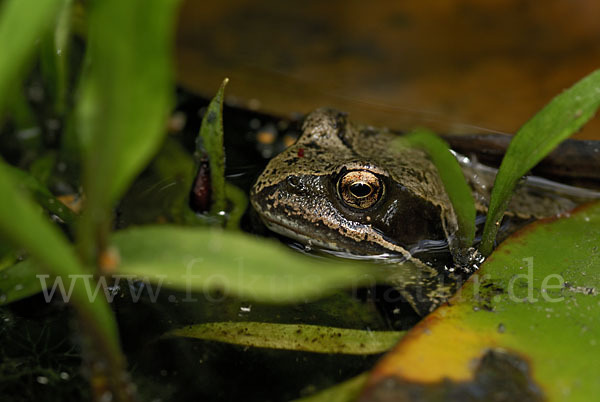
(111, 103)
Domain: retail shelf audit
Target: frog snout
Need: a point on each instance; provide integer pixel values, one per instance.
(294, 185)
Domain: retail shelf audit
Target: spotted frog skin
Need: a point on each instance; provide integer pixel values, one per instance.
(347, 188)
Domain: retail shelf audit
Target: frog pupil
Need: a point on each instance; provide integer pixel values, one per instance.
(360, 190)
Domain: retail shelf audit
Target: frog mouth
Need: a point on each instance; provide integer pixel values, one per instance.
(317, 239)
(284, 228)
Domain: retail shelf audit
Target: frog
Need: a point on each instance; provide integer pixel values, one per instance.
(348, 189)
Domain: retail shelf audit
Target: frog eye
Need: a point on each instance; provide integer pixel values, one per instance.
(360, 188)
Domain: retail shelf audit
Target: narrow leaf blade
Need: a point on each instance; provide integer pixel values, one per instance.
(201, 260)
(300, 337)
(23, 225)
(211, 134)
(21, 24)
(452, 177)
(126, 95)
(558, 120)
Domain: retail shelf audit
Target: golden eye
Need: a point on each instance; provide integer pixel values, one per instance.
(360, 188)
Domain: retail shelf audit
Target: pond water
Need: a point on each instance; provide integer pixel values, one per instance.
(190, 369)
(462, 67)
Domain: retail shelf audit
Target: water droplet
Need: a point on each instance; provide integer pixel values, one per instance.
(59, 51)
(64, 375)
(501, 328)
(246, 309)
(18, 287)
(42, 380)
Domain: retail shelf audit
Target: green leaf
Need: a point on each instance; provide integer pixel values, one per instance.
(126, 96)
(41, 194)
(347, 391)
(239, 202)
(452, 176)
(204, 260)
(42, 168)
(534, 300)
(562, 117)
(20, 281)
(211, 139)
(18, 109)
(302, 337)
(21, 24)
(164, 189)
(54, 57)
(8, 256)
(22, 224)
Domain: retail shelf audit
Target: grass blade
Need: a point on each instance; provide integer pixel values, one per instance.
(54, 55)
(559, 119)
(20, 281)
(41, 194)
(21, 24)
(452, 176)
(346, 391)
(22, 224)
(211, 139)
(300, 337)
(126, 95)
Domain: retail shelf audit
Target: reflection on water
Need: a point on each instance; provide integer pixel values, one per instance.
(456, 66)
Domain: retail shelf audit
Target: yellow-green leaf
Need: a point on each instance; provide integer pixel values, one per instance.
(530, 314)
(303, 337)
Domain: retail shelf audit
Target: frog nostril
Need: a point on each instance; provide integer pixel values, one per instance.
(294, 184)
